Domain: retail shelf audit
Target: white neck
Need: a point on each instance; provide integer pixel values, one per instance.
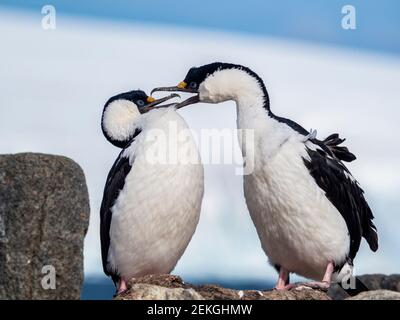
(246, 90)
(252, 115)
(242, 87)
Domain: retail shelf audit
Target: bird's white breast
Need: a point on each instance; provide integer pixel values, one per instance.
(298, 226)
(158, 209)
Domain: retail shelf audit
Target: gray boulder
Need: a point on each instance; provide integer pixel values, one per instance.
(44, 216)
(372, 282)
(381, 281)
(377, 295)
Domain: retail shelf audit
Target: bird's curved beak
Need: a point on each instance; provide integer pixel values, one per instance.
(153, 103)
(182, 87)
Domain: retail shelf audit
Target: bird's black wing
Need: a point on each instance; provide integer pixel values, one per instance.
(332, 146)
(115, 182)
(342, 190)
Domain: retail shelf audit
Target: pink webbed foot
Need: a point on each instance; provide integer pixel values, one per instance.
(319, 285)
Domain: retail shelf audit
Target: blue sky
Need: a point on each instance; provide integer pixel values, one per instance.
(378, 23)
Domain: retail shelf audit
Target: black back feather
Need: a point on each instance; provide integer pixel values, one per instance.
(342, 153)
(342, 190)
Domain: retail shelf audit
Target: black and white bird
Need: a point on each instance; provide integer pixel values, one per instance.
(153, 193)
(309, 211)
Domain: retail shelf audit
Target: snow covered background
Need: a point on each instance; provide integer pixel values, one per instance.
(53, 85)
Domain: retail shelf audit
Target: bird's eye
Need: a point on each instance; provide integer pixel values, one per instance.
(193, 85)
(140, 103)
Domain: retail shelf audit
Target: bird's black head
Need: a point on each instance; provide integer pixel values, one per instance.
(220, 87)
(121, 112)
(197, 75)
(143, 102)
(138, 97)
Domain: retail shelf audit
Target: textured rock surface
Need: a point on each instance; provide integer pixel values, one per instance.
(372, 281)
(377, 295)
(44, 216)
(381, 281)
(143, 291)
(172, 287)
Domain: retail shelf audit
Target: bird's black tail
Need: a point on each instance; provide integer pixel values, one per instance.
(342, 153)
(359, 287)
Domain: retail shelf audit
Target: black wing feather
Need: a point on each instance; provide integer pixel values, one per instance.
(114, 184)
(345, 194)
(332, 146)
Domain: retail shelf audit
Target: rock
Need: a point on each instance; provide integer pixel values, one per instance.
(44, 216)
(377, 295)
(143, 291)
(170, 287)
(381, 281)
(372, 281)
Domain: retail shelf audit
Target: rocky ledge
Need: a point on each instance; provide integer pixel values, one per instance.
(170, 287)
